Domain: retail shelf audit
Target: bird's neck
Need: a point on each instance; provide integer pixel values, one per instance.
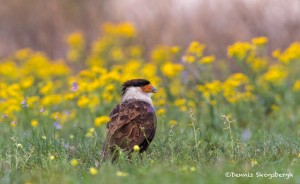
(137, 94)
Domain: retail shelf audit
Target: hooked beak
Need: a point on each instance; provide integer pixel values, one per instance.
(149, 89)
(153, 90)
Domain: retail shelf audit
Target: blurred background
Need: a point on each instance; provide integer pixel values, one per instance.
(44, 25)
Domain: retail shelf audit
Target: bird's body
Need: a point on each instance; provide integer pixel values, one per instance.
(133, 121)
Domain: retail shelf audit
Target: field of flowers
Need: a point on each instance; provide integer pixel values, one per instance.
(239, 115)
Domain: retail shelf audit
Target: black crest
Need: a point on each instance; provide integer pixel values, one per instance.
(134, 83)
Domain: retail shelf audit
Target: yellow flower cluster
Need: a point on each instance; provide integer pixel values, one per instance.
(31, 80)
(114, 46)
(207, 59)
(239, 50)
(101, 120)
(210, 90)
(76, 45)
(125, 29)
(290, 54)
(90, 133)
(161, 54)
(296, 86)
(170, 69)
(194, 52)
(257, 64)
(276, 74)
(237, 87)
(75, 39)
(260, 41)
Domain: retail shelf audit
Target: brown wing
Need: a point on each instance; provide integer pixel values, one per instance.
(132, 123)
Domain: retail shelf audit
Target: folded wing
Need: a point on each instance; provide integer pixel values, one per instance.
(132, 123)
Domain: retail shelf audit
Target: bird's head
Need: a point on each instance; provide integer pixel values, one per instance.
(141, 85)
(137, 89)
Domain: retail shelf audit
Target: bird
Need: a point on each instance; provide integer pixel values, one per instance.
(132, 122)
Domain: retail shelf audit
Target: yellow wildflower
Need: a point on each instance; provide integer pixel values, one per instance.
(51, 99)
(161, 101)
(237, 87)
(170, 69)
(74, 162)
(253, 162)
(93, 171)
(192, 169)
(83, 101)
(127, 29)
(51, 157)
(27, 82)
(260, 41)
(160, 54)
(47, 88)
(135, 51)
(9, 69)
(34, 123)
(189, 59)
(32, 100)
(210, 89)
(175, 49)
(107, 96)
(194, 51)
(180, 102)
(161, 111)
(183, 108)
(117, 54)
(73, 55)
(195, 48)
(173, 122)
(101, 120)
(291, 53)
(110, 88)
(239, 50)
(296, 86)
(207, 59)
(275, 75)
(149, 70)
(23, 54)
(90, 133)
(276, 53)
(257, 64)
(275, 108)
(191, 104)
(75, 39)
(69, 96)
(136, 148)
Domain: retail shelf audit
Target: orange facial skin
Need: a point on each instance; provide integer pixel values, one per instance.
(149, 89)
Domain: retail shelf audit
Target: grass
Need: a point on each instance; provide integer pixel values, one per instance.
(188, 152)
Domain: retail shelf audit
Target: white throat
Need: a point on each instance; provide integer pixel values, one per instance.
(138, 94)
